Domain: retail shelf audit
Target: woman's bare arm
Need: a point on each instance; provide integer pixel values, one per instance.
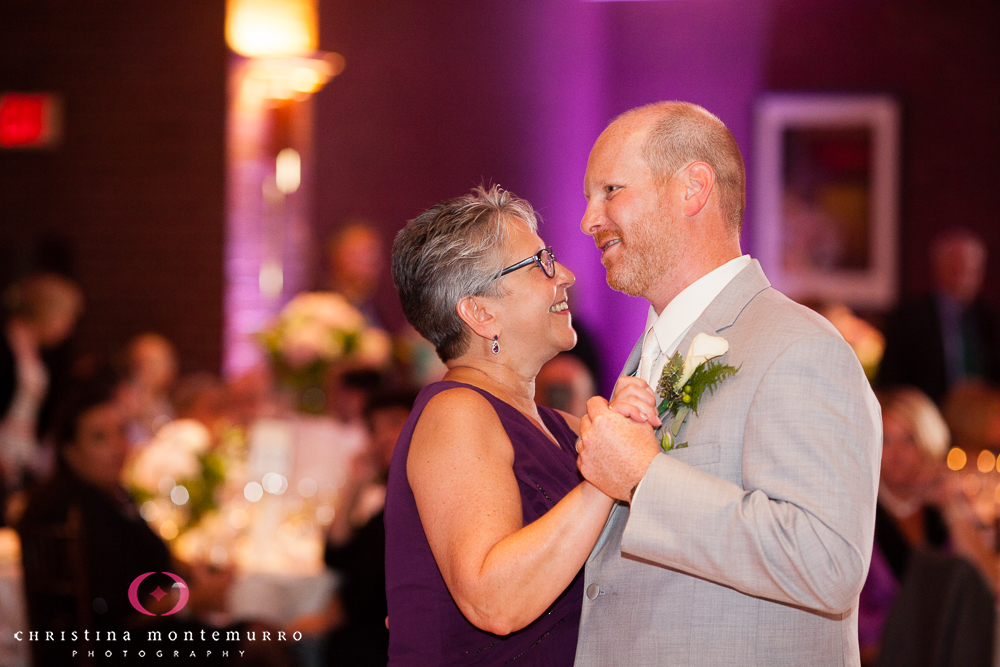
(502, 574)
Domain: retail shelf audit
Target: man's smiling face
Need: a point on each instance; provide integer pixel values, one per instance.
(626, 212)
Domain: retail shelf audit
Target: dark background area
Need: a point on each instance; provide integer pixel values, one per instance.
(131, 204)
(436, 97)
(942, 62)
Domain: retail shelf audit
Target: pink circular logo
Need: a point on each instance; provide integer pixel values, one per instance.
(159, 593)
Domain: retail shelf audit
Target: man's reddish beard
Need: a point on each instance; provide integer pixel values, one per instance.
(640, 258)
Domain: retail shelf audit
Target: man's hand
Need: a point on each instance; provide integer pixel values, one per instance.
(614, 451)
(634, 399)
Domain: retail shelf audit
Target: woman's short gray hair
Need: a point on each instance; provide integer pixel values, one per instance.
(451, 251)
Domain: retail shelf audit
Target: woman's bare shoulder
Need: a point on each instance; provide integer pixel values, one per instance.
(458, 417)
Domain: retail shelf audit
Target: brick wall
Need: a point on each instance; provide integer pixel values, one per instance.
(132, 200)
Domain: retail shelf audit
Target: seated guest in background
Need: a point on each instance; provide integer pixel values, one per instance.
(42, 311)
(356, 261)
(251, 396)
(949, 335)
(349, 391)
(570, 378)
(565, 383)
(118, 545)
(356, 545)
(144, 395)
(920, 507)
(201, 396)
(487, 522)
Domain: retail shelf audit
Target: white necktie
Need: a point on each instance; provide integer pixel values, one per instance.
(650, 353)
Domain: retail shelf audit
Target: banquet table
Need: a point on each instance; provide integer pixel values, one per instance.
(273, 540)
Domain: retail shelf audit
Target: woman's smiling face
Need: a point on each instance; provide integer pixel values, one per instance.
(534, 313)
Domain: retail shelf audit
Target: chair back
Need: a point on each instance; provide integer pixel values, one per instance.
(57, 589)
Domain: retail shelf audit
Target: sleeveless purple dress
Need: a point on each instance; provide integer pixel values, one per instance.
(425, 625)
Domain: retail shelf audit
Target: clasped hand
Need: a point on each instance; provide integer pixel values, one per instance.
(617, 443)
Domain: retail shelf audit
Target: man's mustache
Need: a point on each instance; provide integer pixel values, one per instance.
(602, 237)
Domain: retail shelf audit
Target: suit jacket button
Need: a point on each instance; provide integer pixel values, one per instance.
(593, 591)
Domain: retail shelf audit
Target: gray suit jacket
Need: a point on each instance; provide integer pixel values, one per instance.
(750, 546)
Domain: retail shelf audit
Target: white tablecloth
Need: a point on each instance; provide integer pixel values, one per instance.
(278, 598)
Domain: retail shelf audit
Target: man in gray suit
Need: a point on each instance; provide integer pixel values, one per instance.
(749, 541)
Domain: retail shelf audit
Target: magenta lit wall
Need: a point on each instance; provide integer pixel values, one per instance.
(438, 98)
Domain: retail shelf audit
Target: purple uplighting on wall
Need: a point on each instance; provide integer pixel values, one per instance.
(594, 61)
(435, 101)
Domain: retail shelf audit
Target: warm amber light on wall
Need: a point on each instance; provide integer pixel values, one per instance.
(263, 28)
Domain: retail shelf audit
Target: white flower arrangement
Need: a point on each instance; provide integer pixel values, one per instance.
(178, 468)
(319, 328)
(314, 331)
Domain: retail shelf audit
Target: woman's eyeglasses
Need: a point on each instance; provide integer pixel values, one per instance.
(545, 258)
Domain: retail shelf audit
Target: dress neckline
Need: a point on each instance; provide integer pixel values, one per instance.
(547, 419)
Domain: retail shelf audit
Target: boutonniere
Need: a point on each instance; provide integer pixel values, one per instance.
(684, 381)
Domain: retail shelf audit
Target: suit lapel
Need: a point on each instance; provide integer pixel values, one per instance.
(723, 311)
(632, 365)
(719, 315)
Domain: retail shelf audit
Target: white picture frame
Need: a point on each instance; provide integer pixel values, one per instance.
(827, 192)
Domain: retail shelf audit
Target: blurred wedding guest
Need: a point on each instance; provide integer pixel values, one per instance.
(115, 545)
(144, 395)
(866, 341)
(349, 391)
(42, 312)
(950, 334)
(972, 411)
(356, 262)
(200, 396)
(932, 571)
(567, 380)
(251, 396)
(356, 542)
(565, 383)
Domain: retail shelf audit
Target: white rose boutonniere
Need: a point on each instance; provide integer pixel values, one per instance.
(684, 381)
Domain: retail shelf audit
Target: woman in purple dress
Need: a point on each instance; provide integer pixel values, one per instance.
(488, 524)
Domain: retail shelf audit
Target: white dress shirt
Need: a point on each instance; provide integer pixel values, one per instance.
(680, 314)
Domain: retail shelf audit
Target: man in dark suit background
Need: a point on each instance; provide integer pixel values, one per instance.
(949, 335)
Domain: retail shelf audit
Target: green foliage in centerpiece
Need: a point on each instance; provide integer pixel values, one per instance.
(314, 331)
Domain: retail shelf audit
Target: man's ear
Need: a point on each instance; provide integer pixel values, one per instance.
(478, 315)
(698, 179)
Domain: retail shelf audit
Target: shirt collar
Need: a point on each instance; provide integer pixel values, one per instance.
(684, 309)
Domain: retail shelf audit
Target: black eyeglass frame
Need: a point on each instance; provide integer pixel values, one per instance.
(537, 257)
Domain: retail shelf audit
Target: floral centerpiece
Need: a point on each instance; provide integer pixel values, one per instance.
(175, 477)
(314, 331)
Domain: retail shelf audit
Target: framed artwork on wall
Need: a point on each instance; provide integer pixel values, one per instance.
(827, 182)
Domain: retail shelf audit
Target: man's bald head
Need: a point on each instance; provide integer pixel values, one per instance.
(679, 133)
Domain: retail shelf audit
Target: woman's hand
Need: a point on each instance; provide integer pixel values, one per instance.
(634, 399)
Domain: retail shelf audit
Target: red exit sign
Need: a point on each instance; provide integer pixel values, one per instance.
(29, 120)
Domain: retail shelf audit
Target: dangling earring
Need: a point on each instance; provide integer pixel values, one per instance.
(496, 344)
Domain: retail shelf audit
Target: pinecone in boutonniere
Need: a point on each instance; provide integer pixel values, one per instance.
(684, 381)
